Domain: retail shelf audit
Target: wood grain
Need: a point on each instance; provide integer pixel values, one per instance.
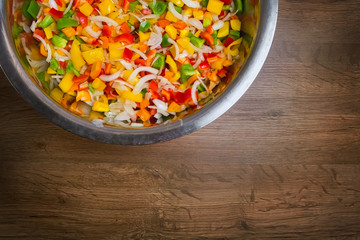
(282, 163)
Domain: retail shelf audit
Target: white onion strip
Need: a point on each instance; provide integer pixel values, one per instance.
(196, 23)
(53, 4)
(193, 92)
(138, 52)
(124, 83)
(139, 86)
(174, 12)
(136, 16)
(150, 16)
(176, 48)
(108, 78)
(92, 33)
(69, 6)
(192, 4)
(141, 69)
(219, 24)
(109, 21)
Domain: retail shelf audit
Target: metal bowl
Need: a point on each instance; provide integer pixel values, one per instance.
(35, 96)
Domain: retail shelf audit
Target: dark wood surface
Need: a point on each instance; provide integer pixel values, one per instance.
(284, 162)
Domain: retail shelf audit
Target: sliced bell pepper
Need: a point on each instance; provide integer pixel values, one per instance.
(186, 71)
(59, 41)
(127, 38)
(128, 54)
(33, 9)
(144, 26)
(198, 42)
(158, 8)
(66, 22)
(56, 13)
(208, 37)
(159, 61)
(24, 9)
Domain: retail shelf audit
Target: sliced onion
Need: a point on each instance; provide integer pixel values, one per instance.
(138, 52)
(92, 33)
(126, 64)
(109, 21)
(98, 122)
(69, 6)
(124, 83)
(136, 125)
(143, 3)
(139, 86)
(141, 69)
(150, 16)
(176, 48)
(53, 4)
(136, 16)
(25, 27)
(160, 105)
(61, 58)
(195, 48)
(192, 4)
(123, 116)
(84, 108)
(193, 92)
(219, 24)
(108, 78)
(174, 12)
(207, 90)
(198, 61)
(196, 23)
(26, 49)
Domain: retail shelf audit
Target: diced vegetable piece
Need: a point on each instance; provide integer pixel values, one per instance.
(86, 9)
(204, 3)
(54, 64)
(248, 38)
(183, 42)
(234, 34)
(76, 55)
(174, 107)
(16, 30)
(132, 96)
(144, 26)
(226, 8)
(115, 52)
(133, 5)
(48, 32)
(197, 42)
(47, 21)
(169, 16)
(59, 41)
(248, 27)
(98, 84)
(239, 5)
(159, 61)
(106, 7)
(158, 8)
(186, 71)
(165, 42)
(66, 82)
(215, 6)
(70, 68)
(224, 31)
(172, 64)
(56, 94)
(94, 55)
(41, 77)
(171, 30)
(55, 13)
(102, 105)
(24, 8)
(33, 9)
(144, 36)
(178, 3)
(235, 24)
(66, 22)
(206, 22)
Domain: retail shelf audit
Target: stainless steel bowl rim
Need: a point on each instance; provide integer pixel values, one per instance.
(42, 103)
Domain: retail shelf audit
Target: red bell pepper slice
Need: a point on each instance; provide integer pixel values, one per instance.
(84, 21)
(207, 36)
(81, 78)
(153, 86)
(126, 5)
(127, 38)
(83, 86)
(204, 65)
(128, 54)
(106, 30)
(55, 13)
(228, 41)
(226, 2)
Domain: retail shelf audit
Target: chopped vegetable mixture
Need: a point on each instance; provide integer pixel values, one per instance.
(134, 63)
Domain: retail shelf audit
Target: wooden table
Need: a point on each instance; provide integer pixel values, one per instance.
(284, 162)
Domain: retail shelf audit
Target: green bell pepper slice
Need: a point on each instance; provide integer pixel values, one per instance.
(159, 61)
(33, 9)
(24, 9)
(47, 21)
(70, 68)
(158, 8)
(16, 30)
(54, 64)
(144, 26)
(165, 42)
(59, 41)
(133, 5)
(186, 71)
(198, 42)
(234, 34)
(66, 22)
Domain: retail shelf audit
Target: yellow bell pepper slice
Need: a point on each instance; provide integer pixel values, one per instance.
(235, 24)
(177, 2)
(169, 16)
(132, 96)
(48, 32)
(106, 7)
(174, 107)
(172, 64)
(215, 6)
(76, 56)
(98, 84)
(56, 94)
(102, 105)
(183, 42)
(94, 55)
(224, 31)
(66, 82)
(171, 30)
(144, 36)
(86, 9)
(115, 52)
